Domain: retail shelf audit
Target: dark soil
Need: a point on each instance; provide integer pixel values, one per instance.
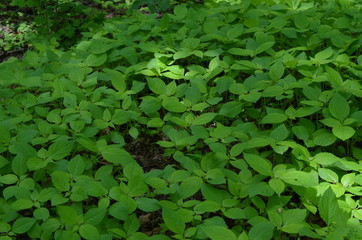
(147, 152)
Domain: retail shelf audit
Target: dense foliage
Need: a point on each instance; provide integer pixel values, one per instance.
(221, 122)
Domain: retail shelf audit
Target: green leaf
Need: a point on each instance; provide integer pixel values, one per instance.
(300, 178)
(338, 107)
(276, 71)
(4, 134)
(60, 149)
(22, 225)
(136, 186)
(328, 175)
(235, 32)
(95, 215)
(41, 214)
(131, 224)
(259, 164)
(206, 206)
(150, 105)
(8, 179)
(279, 133)
(323, 138)
(173, 221)
(89, 232)
(182, 54)
(76, 166)
(328, 206)
(148, 204)
(274, 118)
(324, 54)
(204, 118)
(67, 214)
(293, 216)
(235, 213)
(156, 85)
(334, 77)
(261, 231)
(263, 47)
(277, 185)
(22, 204)
(190, 186)
(325, 158)
(94, 60)
(172, 104)
(343, 132)
(61, 180)
(218, 232)
(231, 109)
(117, 156)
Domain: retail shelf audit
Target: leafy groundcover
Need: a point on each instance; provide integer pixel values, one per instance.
(231, 122)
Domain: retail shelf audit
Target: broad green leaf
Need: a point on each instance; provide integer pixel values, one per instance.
(263, 47)
(348, 179)
(88, 144)
(214, 194)
(172, 220)
(292, 216)
(324, 54)
(261, 231)
(259, 164)
(343, 132)
(276, 71)
(8, 179)
(279, 133)
(328, 175)
(338, 107)
(231, 109)
(131, 225)
(136, 186)
(300, 178)
(36, 163)
(331, 122)
(204, 118)
(60, 149)
(223, 83)
(172, 104)
(22, 204)
(157, 85)
(235, 32)
(76, 166)
(89, 232)
(61, 180)
(148, 204)
(94, 60)
(182, 54)
(311, 93)
(117, 156)
(218, 232)
(323, 138)
(325, 158)
(41, 214)
(190, 186)
(95, 215)
(328, 206)
(23, 224)
(301, 132)
(277, 185)
(4, 134)
(274, 118)
(334, 77)
(206, 206)
(67, 214)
